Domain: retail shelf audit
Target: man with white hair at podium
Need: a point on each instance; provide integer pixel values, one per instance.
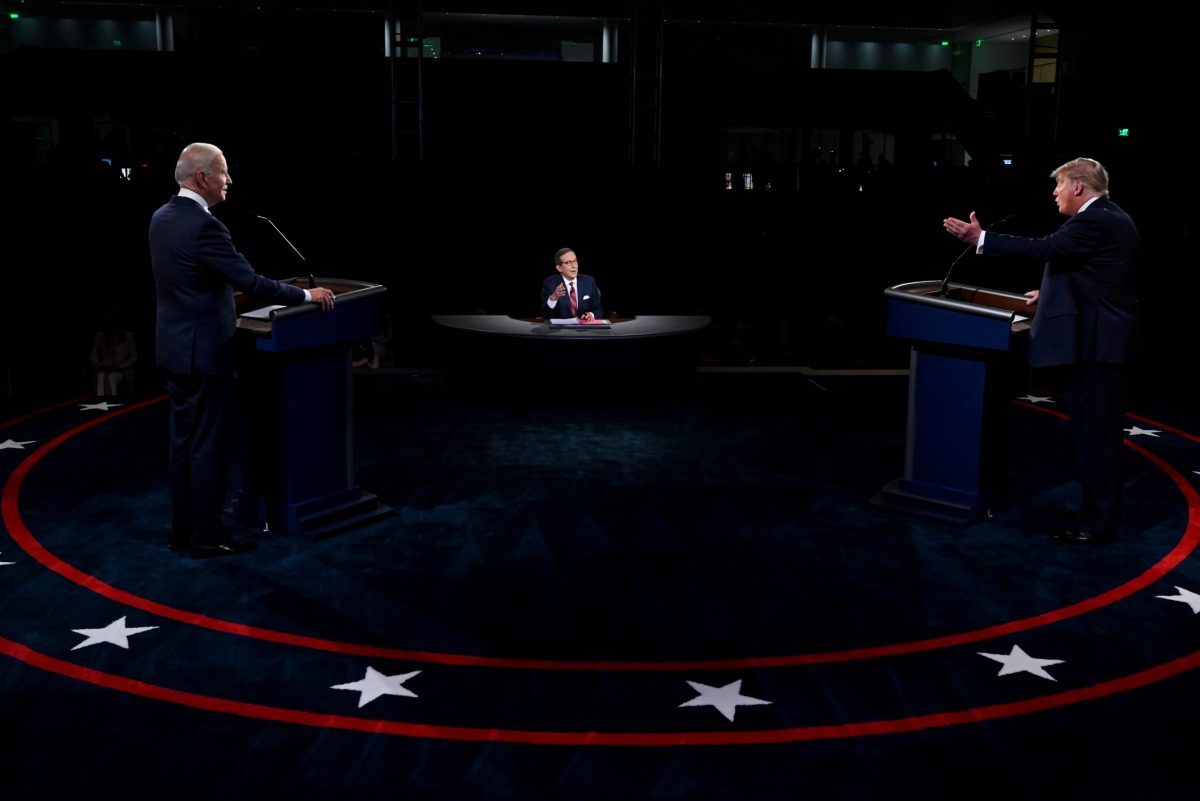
(196, 270)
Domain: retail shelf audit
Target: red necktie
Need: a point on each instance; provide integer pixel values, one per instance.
(574, 302)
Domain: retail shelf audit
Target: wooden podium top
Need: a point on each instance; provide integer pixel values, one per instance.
(970, 299)
(962, 316)
(355, 316)
(344, 289)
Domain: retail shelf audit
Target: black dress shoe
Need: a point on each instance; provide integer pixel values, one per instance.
(1078, 536)
(227, 548)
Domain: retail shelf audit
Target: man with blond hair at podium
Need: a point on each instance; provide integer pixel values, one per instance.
(1086, 322)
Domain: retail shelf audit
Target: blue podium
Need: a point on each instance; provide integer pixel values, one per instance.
(962, 341)
(296, 397)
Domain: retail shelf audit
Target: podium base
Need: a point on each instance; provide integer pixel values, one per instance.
(315, 519)
(899, 495)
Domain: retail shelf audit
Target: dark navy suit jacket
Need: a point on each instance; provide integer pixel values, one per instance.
(196, 270)
(586, 292)
(1087, 305)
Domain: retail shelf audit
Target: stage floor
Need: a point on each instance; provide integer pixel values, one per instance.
(681, 595)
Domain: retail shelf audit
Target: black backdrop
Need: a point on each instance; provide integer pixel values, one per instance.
(524, 157)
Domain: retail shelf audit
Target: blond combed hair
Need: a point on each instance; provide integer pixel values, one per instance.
(1089, 172)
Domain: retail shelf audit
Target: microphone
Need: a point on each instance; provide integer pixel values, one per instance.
(312, 281)
(946, 281)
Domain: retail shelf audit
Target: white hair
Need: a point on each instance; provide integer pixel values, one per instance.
(196, 157)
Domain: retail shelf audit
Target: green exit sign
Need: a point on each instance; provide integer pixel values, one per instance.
(1122, 132)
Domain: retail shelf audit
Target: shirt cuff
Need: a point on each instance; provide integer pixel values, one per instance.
(307, 295)
(979, 244)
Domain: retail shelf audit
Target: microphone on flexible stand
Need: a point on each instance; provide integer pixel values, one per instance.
(312, 281)
(946, 281)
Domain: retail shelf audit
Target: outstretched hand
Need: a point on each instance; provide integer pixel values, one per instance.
(967, 231)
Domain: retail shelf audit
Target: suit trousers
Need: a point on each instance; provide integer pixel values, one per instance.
(1097, 400)
(199, 455)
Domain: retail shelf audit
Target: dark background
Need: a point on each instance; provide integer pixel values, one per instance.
(524, 153)
(729, 520)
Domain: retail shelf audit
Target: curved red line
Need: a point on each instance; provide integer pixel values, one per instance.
(10, 513)
(1178, 431)
(30, 415)
(1042, 409)
(466, 733)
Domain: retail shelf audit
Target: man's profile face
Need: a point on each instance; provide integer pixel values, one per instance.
(568, 266)
(1065, 195)
(212, 183)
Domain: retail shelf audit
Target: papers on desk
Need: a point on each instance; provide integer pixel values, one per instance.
(574, 321)
(262, 314)
(1019, 318)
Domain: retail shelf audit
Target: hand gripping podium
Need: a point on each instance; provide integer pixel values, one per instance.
(294, 373)
(962, 341)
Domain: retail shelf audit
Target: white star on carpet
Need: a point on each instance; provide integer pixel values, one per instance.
(725, 699)
(5, 564)
(1184, 597)
(115, 633)
(103, 406)
(1017, 661)
(374, 684)
(14, 445)
(1036, 399)
(1137, 432)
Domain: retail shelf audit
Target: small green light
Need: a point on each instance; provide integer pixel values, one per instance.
(945, 43)
(116, 42)
(979, 43)
(1122, 132)
(13, 15)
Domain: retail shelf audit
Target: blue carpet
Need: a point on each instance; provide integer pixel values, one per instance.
(560, 581)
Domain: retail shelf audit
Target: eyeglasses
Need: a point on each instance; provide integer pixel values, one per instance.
(570, 261)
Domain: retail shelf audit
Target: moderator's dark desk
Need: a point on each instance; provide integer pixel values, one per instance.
(659, 349)
(645, 326)
(297, 408)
